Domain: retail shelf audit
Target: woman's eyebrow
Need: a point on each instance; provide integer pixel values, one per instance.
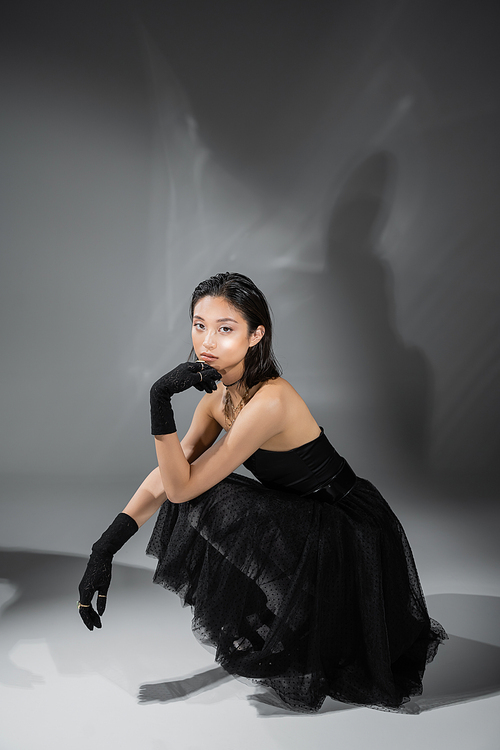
(219, 320)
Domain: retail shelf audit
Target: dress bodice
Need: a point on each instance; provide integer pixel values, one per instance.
(300, 470)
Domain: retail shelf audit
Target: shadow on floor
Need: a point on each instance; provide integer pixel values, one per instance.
(42, 606)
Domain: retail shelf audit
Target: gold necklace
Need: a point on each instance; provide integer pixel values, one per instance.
(230, 410)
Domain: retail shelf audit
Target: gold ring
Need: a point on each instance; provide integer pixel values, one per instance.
(79, 604)
(201, 376)
(103, 596)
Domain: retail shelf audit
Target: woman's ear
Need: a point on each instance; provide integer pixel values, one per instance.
(256, 336)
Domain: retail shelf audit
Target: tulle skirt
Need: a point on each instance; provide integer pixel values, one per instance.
(308, 598)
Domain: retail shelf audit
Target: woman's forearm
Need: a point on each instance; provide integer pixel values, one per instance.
(174, 467)
(148, 498)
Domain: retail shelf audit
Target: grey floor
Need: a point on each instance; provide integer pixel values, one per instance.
(143, 681)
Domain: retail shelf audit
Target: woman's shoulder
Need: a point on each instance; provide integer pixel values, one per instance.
(296, 423)
(279, 389)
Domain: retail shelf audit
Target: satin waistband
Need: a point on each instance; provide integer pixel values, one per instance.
(338, 486)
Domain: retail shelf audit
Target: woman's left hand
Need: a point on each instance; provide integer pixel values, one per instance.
(197, 374)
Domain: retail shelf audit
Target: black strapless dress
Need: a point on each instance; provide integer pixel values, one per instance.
(304, 581)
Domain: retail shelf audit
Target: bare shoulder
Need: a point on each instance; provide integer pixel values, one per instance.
(279, 391)
(271, 395)
(298, 426)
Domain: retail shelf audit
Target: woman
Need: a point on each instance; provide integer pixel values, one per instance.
(303, 580)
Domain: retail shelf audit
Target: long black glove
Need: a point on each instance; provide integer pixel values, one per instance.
(182, 377)
(97, 576)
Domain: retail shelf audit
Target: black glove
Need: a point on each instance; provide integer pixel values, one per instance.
(97, 576)
(199, 374)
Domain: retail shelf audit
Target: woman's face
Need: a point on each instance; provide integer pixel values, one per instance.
(221, 337)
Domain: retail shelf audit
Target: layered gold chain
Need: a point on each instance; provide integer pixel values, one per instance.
(230, 410)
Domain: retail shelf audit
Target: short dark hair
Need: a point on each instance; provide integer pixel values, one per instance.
(240, 291)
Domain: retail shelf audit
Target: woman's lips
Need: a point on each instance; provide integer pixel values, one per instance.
(207, 357)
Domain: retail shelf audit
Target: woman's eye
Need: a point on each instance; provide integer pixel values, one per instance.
(198, 326)
(226, 329)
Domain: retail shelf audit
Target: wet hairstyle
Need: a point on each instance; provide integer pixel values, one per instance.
(244, 296)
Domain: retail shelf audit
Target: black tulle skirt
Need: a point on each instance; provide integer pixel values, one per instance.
(308, 598)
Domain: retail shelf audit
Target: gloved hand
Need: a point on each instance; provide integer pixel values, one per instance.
(97, 576)
(182, 377)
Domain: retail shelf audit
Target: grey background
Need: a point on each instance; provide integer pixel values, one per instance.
(344, 155)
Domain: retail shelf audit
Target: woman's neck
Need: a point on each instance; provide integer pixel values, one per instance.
(233, 378)
(230, 385)
(237, 390)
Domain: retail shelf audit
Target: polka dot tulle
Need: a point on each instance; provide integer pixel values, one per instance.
(311, 599)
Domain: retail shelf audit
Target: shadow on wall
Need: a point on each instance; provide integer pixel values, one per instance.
(43, 609)
(380, 389)
(396, 377)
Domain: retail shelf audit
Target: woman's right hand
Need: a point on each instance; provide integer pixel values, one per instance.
(184, 376)
(197, 374)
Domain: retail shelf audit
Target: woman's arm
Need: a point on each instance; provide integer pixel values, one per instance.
(202, 433)
(147, 499)
(261, 419)
(144, 503)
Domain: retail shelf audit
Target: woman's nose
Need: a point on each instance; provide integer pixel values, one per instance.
(208, 343)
